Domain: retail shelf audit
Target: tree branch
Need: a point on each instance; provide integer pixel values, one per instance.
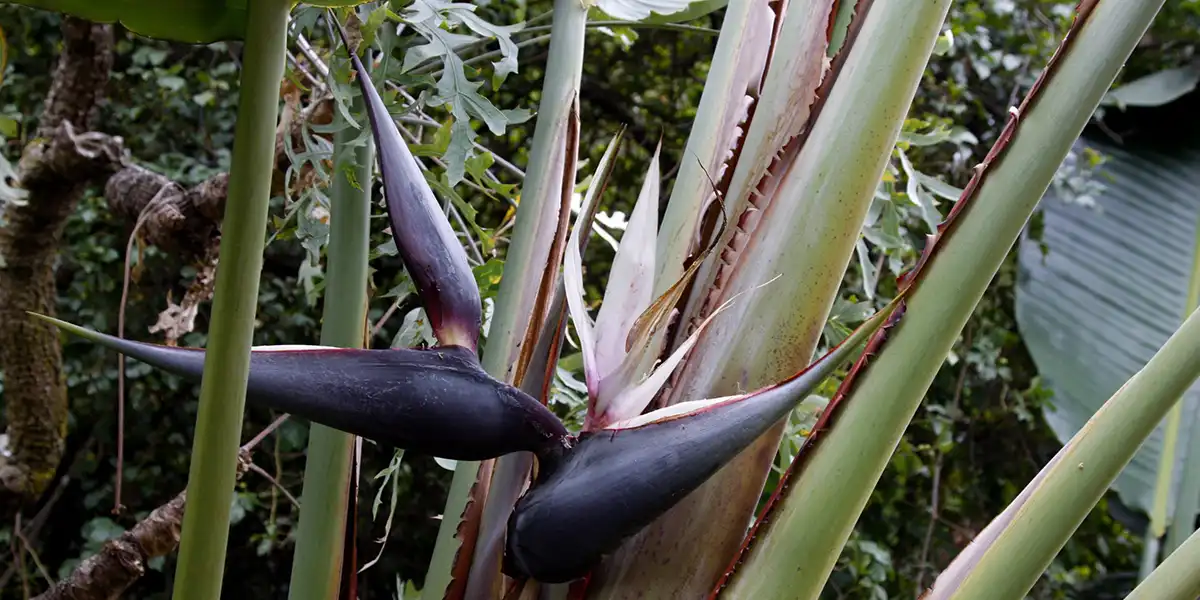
(181, 220)
(54, 169)
(122, 561)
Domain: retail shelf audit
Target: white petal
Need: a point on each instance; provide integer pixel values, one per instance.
(573, 284)
(629, 402)
(631, 281)
(683, 408)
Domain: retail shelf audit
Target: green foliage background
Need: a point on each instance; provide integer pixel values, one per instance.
(975, 443)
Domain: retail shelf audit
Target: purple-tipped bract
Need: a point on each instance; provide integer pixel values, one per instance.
(438, 401)
(435, 259)
(613, 482)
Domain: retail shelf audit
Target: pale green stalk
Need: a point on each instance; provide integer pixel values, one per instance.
(1012, 563)
(1162, 491)
(1151, 545)
(1187, 500)
(800, 544)
(1187, 503)
(806, 238)
(317, 564)
(1166, 463)
(533, 234)
(205, 529)
(1177, 578)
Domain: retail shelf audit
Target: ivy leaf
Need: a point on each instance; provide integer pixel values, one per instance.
(923, 199)
(938, 186)
(462, 138)
(404, 288)
(415, 331)
(387, 248)
(454, 88)
(508, 49)
(171, 82)
(478, 165)
(869, 274)
(439, 145)
(313, 227)
(371, 27)
(516, 116)
(462, 94)
(441, 43)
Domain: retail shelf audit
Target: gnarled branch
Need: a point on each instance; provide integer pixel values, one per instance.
(54, 169)
(122, 561)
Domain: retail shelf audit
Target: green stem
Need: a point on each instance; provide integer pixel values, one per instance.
(1177, 578)
(1162, 492)
(205, 530)
(1187, 500)
(636, 25)
(527, 254)
(808, 529)
(436, 69)
(317, 565)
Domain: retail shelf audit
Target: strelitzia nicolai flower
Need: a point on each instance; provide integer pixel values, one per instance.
(593, 489)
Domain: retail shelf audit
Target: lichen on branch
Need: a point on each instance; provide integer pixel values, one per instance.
(54, 169)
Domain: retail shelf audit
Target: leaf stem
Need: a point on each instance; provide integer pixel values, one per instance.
(205, 529)
(317, 566)
(432, 64)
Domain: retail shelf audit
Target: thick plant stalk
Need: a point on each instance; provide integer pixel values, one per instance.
(533, 234)
(223, 389)
(1177, 578)
(1009, 562)
(317, 565)
(798, 546)
(805, 234)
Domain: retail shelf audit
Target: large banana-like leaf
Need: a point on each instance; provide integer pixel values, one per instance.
(1110, 291)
